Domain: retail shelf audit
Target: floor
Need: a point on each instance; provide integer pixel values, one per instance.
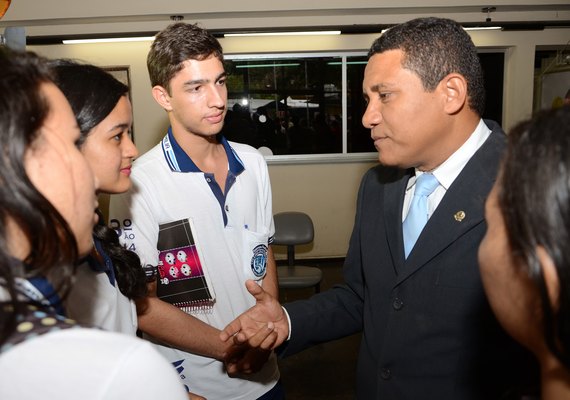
(325, 371)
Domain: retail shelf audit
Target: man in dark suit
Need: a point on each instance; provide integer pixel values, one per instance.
(427, 329)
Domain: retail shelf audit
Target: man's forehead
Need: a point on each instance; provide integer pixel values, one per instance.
(201, 70)
(375, 80)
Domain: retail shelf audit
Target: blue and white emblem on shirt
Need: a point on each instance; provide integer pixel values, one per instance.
(259, 260)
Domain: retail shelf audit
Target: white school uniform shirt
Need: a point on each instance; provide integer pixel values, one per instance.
(168, 187)
(80, 363)
(95, 301)
(87, 364)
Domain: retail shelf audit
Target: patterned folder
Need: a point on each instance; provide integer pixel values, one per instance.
(182, 277)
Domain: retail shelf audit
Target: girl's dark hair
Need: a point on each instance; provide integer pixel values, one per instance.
(23, 111)
(129, 273)
(93, 93)
(534, 197)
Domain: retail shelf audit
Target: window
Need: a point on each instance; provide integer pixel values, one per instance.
(294, 105)
(310, 106)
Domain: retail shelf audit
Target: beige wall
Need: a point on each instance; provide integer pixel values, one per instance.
(327, 191)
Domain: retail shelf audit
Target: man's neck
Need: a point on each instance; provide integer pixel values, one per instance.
(459, 129)
(197, 147)
(206, 152)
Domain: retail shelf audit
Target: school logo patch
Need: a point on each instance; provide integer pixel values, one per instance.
(259, 260)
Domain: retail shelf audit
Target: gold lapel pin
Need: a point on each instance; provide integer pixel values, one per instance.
(459, 216)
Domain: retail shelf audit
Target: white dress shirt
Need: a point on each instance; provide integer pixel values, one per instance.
(448, 170)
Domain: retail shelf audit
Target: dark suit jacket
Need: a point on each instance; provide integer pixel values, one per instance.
(427, 329)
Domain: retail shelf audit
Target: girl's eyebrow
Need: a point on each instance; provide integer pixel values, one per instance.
(121, 126)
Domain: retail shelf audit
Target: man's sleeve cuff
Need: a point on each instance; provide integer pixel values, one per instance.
(288, 322)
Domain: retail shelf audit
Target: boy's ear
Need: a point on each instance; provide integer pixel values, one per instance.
(550, 276)
(162, 97)
(454, 88)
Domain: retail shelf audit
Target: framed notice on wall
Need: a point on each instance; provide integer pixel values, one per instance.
(555, 85)
(552, 80)
(122, 74)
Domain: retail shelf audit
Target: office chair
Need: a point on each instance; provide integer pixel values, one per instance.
(291, 229)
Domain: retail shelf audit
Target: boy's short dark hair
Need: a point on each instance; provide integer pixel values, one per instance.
(174, 45)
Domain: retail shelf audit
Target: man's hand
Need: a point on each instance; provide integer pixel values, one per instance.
(248, 357)
(264, 325)
(249, 360)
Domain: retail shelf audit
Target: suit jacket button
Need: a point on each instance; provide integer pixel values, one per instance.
(385, 373)
(397, 304)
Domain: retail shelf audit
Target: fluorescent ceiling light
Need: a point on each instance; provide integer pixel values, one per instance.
(483, 28)
(348, 62)
(110, 40)
(268, 65)
(309, 33)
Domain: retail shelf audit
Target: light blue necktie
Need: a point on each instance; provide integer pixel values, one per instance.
(418, 214)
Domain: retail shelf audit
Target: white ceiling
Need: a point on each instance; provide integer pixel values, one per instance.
(80, 17)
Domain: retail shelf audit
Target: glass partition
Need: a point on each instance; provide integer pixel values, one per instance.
(310, 106)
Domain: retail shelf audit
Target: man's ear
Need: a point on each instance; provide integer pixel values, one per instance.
(162, 97)
(454, 88)
(550, 276)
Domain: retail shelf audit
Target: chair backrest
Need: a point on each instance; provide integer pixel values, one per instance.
(293, 228)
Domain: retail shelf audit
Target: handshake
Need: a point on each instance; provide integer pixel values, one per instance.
(255, 333)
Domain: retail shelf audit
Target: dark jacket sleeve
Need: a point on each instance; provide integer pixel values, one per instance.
(337, 312)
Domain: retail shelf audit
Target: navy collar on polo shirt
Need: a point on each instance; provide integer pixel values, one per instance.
(183, 163)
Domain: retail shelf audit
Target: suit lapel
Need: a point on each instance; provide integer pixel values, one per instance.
(393, 202)
(461, 209)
